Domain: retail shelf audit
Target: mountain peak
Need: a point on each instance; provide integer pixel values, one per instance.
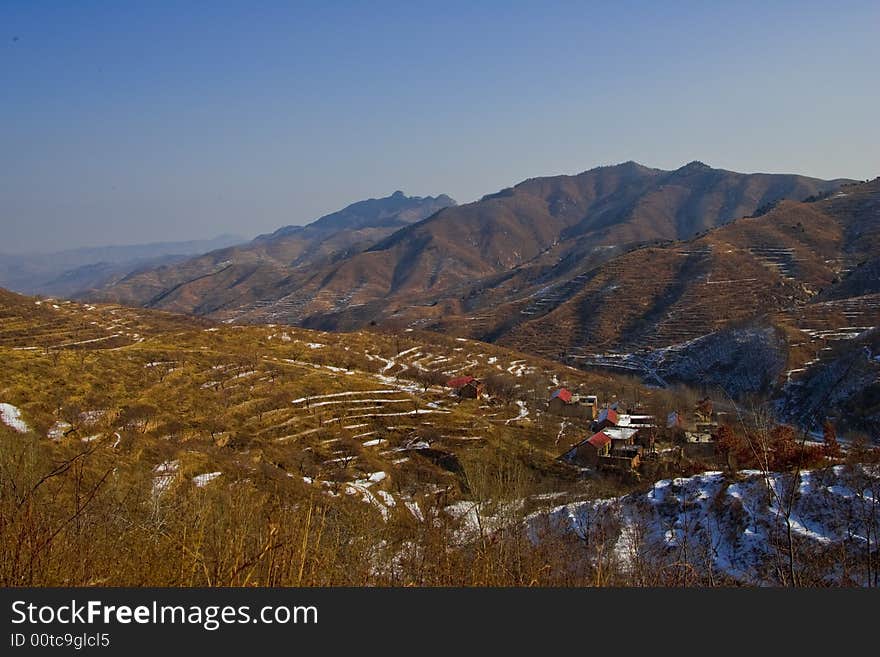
(389, 211)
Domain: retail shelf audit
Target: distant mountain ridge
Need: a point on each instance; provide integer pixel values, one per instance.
(394, 211)
(74, 272)
(246, 274)
(457, 258)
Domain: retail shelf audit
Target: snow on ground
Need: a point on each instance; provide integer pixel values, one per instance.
(347, 393)
(415, 444)
(387, 498)
(164, 475)
(562, 426)
(419, 411)
(359, 401)
(58, 430)
(11, 417)
(729, 524)
(203, 479)
(93, 340)
(523, 412)
(414, 509)
(477, 518)
(362, 487)
(243, 375)
(391, 381)
(298, 435)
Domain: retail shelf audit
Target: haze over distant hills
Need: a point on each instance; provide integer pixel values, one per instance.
(264, 268)
(74, 272)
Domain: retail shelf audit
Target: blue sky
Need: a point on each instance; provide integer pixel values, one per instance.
(125, 122)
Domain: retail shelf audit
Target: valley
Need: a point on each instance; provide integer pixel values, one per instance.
(612, 276)
(507, 401)
(171, 424)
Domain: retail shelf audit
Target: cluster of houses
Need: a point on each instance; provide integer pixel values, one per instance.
(616, 440)
(697, 436)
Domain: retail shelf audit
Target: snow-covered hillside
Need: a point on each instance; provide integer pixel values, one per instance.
(736, 530)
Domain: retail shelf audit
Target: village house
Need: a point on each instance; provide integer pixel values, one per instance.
(609, 449)
(587, 452)
(466, 387)
(646, 438)
(559, 400)
(623, 459)
(608, 417)
(641, 421)
(647, 433)
(699, 445)
(674, 421)
(590, 404)
(621, 436)
(706, 427)
(563, 402)
(617, 442)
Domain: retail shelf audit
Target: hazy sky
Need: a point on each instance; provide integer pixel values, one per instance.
(125, 122)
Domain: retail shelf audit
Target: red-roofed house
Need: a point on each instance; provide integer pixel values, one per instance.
(607, 418)
(562, 393)
(588, 452)
(605, 450)
(563, 402)
(600, 440)
(466, 387)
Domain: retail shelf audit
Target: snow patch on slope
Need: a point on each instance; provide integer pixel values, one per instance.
(11, 417)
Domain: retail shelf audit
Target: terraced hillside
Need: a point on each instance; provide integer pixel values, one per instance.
(781, 269)
(841, 381)
(360, 413)
(51, 325)
(187, 453)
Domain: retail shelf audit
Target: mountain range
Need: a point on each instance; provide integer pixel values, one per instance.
(267, 267)
(672, 275)
(353, 268)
